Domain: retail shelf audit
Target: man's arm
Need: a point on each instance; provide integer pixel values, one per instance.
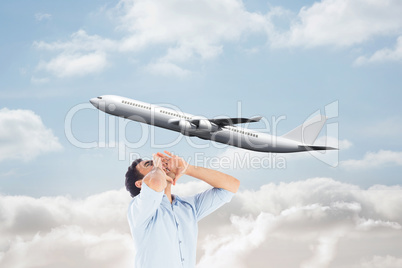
(156, 179)
(214, 178)
(143, 206)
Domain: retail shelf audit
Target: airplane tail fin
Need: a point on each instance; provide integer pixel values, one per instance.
(307, 132)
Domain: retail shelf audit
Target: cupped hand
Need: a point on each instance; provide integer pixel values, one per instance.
(175, 164)
(161, 163)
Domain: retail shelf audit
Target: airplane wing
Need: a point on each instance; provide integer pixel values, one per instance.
(230, 121)
(221, 122)
(208, 125)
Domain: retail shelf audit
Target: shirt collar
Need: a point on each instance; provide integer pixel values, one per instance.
(165, 200)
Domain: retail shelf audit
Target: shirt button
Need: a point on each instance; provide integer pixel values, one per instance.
(182, 260)
(179, 242)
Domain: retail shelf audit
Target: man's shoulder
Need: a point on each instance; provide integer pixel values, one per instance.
(186, 200)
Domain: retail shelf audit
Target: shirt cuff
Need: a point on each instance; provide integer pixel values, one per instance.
(225, 195)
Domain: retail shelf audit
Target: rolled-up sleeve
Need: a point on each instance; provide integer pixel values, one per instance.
(143, 207)
(210, 200)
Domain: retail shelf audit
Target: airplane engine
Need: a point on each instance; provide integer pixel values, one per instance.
(186, 126)
(207, 125)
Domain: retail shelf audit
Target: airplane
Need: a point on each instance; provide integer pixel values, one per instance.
(222, 130)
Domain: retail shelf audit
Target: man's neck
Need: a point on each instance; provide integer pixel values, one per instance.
(168, 192)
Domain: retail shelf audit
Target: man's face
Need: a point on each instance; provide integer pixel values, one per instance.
(145, 166)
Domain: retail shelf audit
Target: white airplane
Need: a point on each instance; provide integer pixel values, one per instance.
(223, 130)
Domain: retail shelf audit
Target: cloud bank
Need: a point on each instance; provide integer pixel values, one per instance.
(319, 222)
(23, 135)
(187, 33)
(342, 23)
(378, 159)
(383, 55)
(187, 30)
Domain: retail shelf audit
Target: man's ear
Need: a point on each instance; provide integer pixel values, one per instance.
(138, 184)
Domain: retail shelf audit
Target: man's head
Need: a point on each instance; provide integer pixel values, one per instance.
(135, 173)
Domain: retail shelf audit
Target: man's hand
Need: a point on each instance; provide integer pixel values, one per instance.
(175, 164)
(161, 164)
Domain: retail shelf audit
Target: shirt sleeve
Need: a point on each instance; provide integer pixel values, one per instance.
(143, 207)
(210, 200)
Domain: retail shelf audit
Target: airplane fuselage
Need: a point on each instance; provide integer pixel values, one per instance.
(183, 122)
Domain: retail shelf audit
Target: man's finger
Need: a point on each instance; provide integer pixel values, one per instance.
(169, 179)
(161, 155)
(168, 153)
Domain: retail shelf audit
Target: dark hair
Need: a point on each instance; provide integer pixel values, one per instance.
(132, 176)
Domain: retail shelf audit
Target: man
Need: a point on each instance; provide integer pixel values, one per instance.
(164, 226)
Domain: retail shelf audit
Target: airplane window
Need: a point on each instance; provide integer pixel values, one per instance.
(99, 98)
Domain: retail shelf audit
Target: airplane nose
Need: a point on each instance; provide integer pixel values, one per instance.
(94, 102)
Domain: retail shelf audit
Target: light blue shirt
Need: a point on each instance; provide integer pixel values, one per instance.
(165, 234)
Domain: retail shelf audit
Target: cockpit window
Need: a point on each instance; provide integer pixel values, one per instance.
(100, 98)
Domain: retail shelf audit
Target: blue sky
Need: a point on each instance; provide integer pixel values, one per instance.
(273, 58)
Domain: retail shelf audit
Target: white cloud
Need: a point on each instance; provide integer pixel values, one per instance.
(80, 41)
(65, 232)
(230, 251)
(195, 27)
(67, 65)
(387, 128)
(84, 54)
(311, 223)
(382, 262)
(190, 188)
(342, 23)
(70, 246)
(167, 69)
(383, 55)
(42, 16)
(24, 136)
(375, 160)
(36, 80)
(193, 32)
(185, 30)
